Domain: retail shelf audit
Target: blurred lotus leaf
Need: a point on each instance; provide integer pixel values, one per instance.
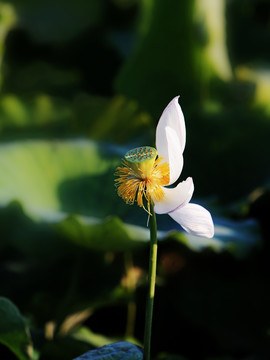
(95, 117)
(237, 237)
(42, 110)
(41, 174)
(66, 18)
(13, 331)
(165, 63)
(260, 78)
(118, 120)
(110, 234)
(210, 25)
(116, 351)
(7, 21)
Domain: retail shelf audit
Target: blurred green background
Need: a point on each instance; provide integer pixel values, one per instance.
(82, 82)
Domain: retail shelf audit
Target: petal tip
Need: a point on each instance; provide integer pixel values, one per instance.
(210, 233)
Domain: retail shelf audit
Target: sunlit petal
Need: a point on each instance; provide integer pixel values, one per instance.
(195, 219)
(175, 197)
(173, 118)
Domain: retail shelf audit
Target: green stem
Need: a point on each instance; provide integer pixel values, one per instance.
(151, 284)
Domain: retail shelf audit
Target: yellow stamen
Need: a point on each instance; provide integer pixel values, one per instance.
(142, 176)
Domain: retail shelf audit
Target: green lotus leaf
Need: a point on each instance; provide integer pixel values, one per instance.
(67, 19)
(97, 117)
(13, 331)
(33, 112)
(96, 340)
(43, 174)
(108, 234)
(116, 351)
(163, 56)
(236, 237)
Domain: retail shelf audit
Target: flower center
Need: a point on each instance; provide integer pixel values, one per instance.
(142, 177)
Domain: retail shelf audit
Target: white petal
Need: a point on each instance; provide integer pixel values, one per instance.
(171, 152)
(195, 219)
(175, 198)
(172, 117)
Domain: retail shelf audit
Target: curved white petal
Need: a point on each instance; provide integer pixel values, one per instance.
(172, 117)
(170, 150)
(175, 198)
(195, 219)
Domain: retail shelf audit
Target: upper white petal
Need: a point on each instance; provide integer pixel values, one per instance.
(175, 197)
(195, 219)
(170, 150)
(172, 117)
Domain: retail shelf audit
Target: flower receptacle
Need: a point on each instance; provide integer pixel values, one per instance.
(142, 160)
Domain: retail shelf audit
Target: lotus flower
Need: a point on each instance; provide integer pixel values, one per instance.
(147, 171)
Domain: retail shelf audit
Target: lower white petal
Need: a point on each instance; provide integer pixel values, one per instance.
(195, 219)
(175, 197)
